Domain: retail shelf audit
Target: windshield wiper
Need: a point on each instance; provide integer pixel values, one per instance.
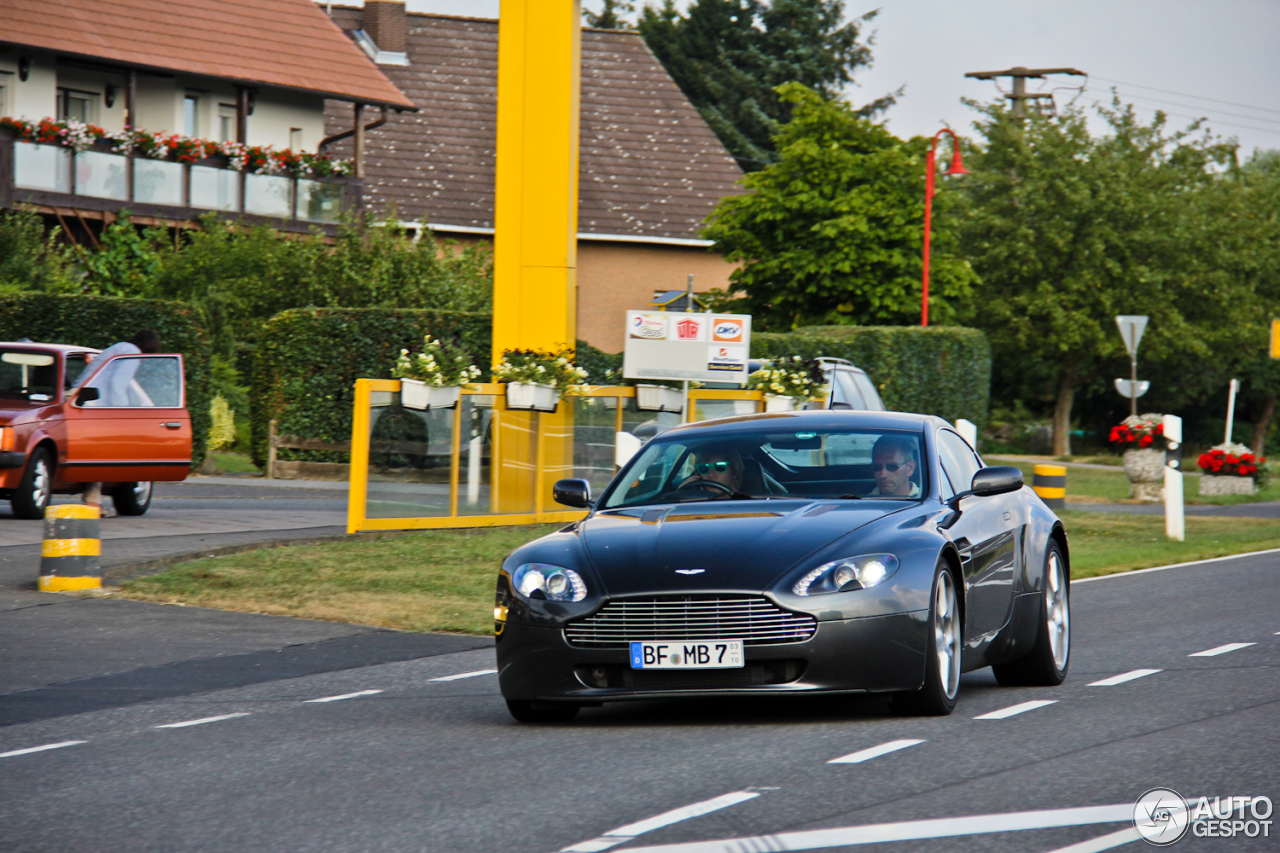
(849, 498)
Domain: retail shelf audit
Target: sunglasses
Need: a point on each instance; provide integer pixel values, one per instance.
(708, 467)
(888, 466)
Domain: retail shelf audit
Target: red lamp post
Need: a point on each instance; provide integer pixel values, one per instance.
(930, 172)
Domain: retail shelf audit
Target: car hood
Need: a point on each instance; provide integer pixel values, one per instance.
(20, 411)
(740, 546)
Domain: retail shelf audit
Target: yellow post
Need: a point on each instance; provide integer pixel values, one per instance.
(536, 186)
(535, 286)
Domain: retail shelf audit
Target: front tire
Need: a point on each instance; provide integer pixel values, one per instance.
(1046, 664)
(542, 712)
(35, 489)
(132, 498)
(937, 697)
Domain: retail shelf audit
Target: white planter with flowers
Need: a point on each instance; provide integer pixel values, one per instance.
(537, 379)
(416, 394)
(1232, 469)
(779, 403)
(532, 396)
(434, 377)
(659, 398)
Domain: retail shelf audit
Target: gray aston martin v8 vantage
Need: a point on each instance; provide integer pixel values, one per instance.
(791, 553)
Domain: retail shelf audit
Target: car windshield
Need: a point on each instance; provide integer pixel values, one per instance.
(28, 374)
(807, 464)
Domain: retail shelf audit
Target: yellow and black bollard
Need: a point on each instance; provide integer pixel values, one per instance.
(71, 558)
(1051, 485)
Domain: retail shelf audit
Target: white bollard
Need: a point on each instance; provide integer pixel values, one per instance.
(968, 431)
(1174, 514)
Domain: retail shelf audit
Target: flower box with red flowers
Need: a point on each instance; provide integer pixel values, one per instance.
(1141, 432)
(1226, 463)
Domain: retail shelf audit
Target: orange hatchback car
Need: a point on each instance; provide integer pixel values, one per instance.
(125, 426)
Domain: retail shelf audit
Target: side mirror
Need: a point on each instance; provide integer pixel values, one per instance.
(996, 480)
(572, 493)
(87, 395)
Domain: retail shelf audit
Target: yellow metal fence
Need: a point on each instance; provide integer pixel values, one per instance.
(480, 464)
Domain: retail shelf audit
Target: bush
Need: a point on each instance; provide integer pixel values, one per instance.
(938, 370)
(100, 321)
(308, 359)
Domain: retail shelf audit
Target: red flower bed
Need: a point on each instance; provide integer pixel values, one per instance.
(1139, 433)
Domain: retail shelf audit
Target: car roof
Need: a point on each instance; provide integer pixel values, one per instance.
(33, 345)
(820, 419)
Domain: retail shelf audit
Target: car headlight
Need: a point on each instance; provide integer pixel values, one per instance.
(540, 581)
(847, 574)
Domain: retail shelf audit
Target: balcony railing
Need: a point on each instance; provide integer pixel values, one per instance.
(97, 179)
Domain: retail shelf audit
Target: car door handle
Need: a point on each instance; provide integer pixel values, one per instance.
(171, 425)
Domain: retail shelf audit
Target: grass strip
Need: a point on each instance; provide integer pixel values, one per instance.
(1106, 543)
(434, 581)
(443, 580)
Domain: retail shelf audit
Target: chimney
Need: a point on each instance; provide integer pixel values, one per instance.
(385, 22)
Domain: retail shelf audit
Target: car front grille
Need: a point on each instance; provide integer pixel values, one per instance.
(755, 621)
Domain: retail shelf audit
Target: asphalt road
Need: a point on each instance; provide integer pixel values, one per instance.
(420, 755)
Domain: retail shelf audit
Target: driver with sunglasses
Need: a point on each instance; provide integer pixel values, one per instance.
(718, 466)
(892, 464)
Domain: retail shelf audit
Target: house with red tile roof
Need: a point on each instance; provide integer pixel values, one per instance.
(650, 170)
(247, 73)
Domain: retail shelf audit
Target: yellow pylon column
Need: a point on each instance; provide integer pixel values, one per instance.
(536, 187)
(536, 226)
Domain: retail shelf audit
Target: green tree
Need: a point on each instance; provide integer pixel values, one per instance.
(832, 233)
(30, 259)
(611, 15)
(728, 57)
(126, 261)
(1067, 230)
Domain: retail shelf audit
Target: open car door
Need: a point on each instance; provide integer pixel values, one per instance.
(129, 423)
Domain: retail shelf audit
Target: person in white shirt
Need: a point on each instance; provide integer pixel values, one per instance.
(893, 463)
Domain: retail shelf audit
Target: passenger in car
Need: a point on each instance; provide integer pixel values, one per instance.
(893, 465)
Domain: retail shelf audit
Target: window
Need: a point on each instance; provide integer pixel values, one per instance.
(77, 105)
(75, 365)
(191, 115)
(295, 138)
(226, 122)
(958, 460)
(138, 382)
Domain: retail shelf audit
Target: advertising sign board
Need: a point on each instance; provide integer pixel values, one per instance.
(698, 347)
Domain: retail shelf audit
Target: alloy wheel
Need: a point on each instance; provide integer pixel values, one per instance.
(40, 486)
(1057, 611)
(946, 634)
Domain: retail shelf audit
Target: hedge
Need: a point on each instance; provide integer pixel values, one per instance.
(100, 321)
(938, 370)
(308, 359)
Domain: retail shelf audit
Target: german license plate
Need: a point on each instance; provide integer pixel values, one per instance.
(712, 654)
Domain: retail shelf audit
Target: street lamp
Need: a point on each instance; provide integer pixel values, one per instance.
(930, 170)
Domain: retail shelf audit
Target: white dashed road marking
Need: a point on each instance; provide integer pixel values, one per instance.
(345, 696)
(464, 675)
(874, 752)
(1014, 710)
(876, 833)
(32, 749)
(1221, 650)
(1123, 677)
(624, 834)
(202, 721)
